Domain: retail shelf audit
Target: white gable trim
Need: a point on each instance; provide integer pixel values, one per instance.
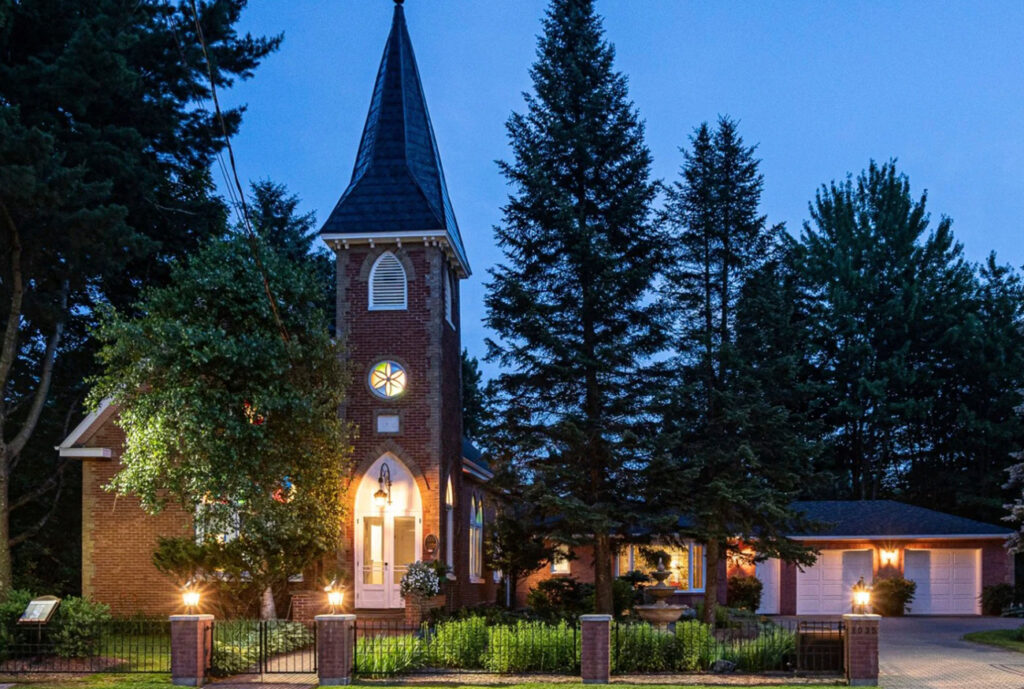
(439, 238)
(85, 430)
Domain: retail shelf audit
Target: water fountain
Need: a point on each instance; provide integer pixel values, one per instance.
(660, 613)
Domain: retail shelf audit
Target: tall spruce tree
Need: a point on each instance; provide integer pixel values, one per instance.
(732, 453)
(572, 302)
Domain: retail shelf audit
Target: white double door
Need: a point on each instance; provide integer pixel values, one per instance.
(389, 544)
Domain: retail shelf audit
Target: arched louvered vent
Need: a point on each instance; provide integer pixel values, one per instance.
(389, 288)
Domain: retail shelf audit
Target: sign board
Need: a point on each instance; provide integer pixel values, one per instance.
(39, 610)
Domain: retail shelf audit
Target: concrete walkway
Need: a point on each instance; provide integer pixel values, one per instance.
(929, 653)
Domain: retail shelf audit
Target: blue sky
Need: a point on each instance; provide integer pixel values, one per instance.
(822, 87)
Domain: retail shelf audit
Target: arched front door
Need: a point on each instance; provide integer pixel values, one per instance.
(388, 537)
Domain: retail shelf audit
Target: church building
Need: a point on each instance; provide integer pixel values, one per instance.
(417, 489)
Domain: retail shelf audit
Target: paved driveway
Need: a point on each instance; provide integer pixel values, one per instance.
(928, 653)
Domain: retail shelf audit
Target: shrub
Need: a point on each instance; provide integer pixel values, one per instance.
(770, 650)
(560, 599)
(457, 643)
(744, 592)
(79, 627)
(420, 579)
(696, 647)
(642, 648)
(533, 646)
(237, 643)
(892, 595)
(386, 655)
(624, 597)
(997, 598)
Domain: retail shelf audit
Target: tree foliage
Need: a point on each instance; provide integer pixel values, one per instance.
(571, 303)
(225, 416)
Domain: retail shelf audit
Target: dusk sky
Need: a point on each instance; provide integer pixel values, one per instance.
(822, 87)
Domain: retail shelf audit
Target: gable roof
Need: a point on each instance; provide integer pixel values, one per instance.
(889, 518)
(398, 183)
(473, 461)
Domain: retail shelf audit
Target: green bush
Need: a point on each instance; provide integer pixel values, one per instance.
(892, 595)
(561, 598)
(457, 644)
(696, 647)
(533, 647)
(744, 592)
(997, 598)
(642, 648)
(237, 643)
(79, 627)
(387, 655)
(769, 651)
(624, 597)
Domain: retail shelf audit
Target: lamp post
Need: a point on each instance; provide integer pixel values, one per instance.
(861, 597)
(190, 597)
(335, 597)
(382, 497)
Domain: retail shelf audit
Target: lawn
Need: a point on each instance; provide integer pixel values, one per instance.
(122, 681)
(1003, 638)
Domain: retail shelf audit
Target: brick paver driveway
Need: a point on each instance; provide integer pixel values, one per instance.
(929, 653)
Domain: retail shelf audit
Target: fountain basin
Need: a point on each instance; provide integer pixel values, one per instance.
(661, 615)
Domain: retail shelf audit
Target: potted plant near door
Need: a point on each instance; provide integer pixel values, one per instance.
(420, 588)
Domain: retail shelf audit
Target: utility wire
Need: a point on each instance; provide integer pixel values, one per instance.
(253, 242)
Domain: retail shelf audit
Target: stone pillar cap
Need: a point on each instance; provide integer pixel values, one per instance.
(190, 618)
(861, 616)
(335, 618)
(595, 618)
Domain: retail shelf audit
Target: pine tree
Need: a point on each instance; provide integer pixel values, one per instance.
(732, 452)
(572, 303)
(476, 411)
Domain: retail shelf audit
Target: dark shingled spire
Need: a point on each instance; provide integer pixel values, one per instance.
(398, 183)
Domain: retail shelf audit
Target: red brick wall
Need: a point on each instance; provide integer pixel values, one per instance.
(118, 539)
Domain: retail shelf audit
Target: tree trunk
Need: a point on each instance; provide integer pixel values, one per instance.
(268, 609)
(603, 600)
(713, 553)
(6, 569)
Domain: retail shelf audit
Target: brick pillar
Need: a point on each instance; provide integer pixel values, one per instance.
(595, 648)
(335, 649)
(861, 649)
(191, 639)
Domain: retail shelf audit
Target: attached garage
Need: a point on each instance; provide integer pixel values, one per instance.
(948, 580)
(825, 588)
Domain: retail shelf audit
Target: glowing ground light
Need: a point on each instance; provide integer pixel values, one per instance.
(387, 379)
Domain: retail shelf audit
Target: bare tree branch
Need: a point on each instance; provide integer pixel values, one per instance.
(45, 487)
(41, 522)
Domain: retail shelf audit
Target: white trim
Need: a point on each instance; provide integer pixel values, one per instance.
(888, 537)
(343, 240)
(99, 415)
(105, 452)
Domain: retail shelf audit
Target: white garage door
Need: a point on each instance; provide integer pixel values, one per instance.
(948, 581)
(826, 587)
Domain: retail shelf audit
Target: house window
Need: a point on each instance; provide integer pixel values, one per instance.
(449, 297)
(449, 525)
(389, 288)
(686, 563)
(560, 562)
(476, 539)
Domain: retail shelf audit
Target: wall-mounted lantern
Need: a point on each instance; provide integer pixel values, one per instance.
(888, 557)
(382, 497)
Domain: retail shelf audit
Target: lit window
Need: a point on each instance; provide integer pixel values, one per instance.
(476, 538)
(389, 288)
(560, 562)
(686, 564)
(449, 522)
(624, 560)
(387, 379)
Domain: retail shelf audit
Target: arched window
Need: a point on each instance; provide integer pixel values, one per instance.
(476, 539)
(389, 287)
(449, 525)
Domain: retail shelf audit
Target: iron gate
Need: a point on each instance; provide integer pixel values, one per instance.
(262, 647)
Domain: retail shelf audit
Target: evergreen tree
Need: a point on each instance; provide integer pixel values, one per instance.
(476, 411)
(105, 152)
(732, 454)
(572, 303)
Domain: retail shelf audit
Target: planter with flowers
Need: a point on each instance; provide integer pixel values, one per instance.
(421, 588)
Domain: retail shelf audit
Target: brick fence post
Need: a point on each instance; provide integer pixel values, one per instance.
(595, 648)
(191, 638)
(860, 651)
(335, 649)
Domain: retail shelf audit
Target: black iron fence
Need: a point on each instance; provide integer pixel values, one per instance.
(242, 647)
(749, 645)
(385, 648)
(82, 647)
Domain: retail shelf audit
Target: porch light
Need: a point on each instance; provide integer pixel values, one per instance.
(861, 597)
(190, 597)
(382, 497)
(888, 556)
(335, 597)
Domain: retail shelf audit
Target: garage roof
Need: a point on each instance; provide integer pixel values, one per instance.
(888, 518)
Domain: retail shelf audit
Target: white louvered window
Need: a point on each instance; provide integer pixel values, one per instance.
(389, 289)
(449, 297)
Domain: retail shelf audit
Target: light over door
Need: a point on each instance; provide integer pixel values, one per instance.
(826, 587)
(948, 580)
(768, 574)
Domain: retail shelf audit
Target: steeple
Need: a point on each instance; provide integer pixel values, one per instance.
(398, 188)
